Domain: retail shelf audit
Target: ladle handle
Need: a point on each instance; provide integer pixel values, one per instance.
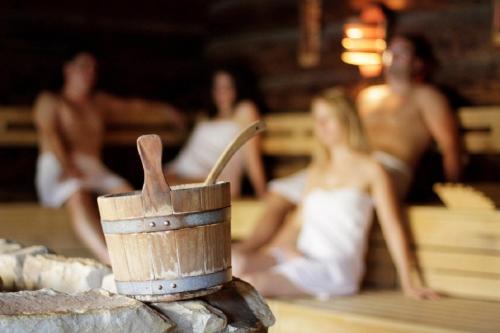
(245, 135)
(155, 191)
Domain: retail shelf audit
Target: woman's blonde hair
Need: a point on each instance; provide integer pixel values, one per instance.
(344, 111)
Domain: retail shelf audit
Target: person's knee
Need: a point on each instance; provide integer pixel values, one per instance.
(239, 262)
(76, 199)
(249, 278)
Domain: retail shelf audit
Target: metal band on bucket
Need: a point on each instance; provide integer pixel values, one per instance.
(167, 222)
(162, 287)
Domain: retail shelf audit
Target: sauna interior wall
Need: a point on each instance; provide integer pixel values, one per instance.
(161, 50)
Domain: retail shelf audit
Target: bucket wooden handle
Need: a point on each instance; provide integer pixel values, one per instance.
(155, 191)
(245, 135)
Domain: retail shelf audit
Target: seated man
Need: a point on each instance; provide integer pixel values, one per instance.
(400, 117)
(71, 130)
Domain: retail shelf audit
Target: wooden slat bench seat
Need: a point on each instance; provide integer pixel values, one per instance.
(458, 252)
(385, 312)
(17, 127)
(31, 224)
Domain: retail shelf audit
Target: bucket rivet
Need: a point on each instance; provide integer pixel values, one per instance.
(173, 285)
(160, 287)
(152, 224)
(166, 223)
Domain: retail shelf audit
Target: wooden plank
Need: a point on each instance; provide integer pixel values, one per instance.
(458, 195)
(481, 118)
(30, 224)
(288, 134)
(22, 137)
(480, 263)
(245, 214)
(460, 229)
(468, 286)
(17, 127)
(384, 311)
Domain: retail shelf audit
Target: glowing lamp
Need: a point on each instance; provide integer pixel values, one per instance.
(364, 41)
(361, 58)
(363, 44)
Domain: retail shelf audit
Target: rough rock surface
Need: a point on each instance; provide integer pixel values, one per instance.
(63, 274)
(237, 308)
(48, 311)
(243, 306)
(108, 283)
(7, 245)
(193, 316)
(12, 262)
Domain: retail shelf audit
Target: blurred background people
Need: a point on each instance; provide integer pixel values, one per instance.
(322, 253)
(71, 127)
(400, 117)
(231, 112)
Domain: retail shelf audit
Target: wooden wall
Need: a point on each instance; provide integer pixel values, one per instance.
(265, 33)
(147, 48)
(161, 50)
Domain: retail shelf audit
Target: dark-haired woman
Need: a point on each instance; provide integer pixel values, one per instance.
(210, 137)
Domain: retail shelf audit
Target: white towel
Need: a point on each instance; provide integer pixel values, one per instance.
(293, 186)
(401, 173)
(205, 145)
(53, 190)
(333, 239)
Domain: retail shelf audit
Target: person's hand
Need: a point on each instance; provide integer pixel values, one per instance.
(421, 293)
(72, 172)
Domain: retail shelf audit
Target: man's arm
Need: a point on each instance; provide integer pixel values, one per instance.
(114, 104)
(48, 134)
(389, 217)
(444, 129)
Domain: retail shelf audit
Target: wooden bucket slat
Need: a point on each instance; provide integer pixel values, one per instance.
(168, 243)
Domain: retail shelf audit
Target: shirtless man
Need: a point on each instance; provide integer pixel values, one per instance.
(400, 117)
(403, 116)
(71, 131)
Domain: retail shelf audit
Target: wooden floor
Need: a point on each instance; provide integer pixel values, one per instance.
(385, 311)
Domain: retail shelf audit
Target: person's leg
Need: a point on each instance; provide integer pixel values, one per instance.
(243, 263)
(272, 284)
(85, 219)
(276, 209)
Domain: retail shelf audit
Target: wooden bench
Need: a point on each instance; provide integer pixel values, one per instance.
(17, 127)
(459, 256)
(458, 249)
(458, 252)
(291, 134)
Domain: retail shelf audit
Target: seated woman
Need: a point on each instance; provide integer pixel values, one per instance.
(210, 138)
(322, 251)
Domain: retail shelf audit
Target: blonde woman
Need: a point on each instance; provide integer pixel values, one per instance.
(322, 252)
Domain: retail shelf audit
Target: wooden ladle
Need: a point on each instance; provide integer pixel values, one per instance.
(156, 191)
(245, 135)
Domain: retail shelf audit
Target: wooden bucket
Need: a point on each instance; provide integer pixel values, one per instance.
(168, 243)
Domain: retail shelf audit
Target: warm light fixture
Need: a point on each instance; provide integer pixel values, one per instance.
(364, 41)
